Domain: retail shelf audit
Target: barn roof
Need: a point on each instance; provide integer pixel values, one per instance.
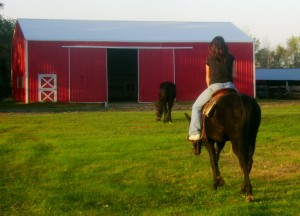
(285, 74)
(129, 31)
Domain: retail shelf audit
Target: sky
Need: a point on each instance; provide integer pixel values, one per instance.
(272, 22)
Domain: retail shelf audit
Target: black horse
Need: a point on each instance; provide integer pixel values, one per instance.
(167, 95)
(236, 118)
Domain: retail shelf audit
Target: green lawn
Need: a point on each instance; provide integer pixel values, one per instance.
(125, 163)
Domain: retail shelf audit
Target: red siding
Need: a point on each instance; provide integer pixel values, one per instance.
(155, 67)
(88, 75)
(88, 70)
(244, 55)
(48, 58)
(18, 65)
(190, 71)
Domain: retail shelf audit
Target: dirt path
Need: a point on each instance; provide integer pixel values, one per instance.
(7, 107)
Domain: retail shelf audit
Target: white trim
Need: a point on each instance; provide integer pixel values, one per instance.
(254, 71)
(106, 71)
(120, 47)
(69, 68)
(26, 74)
(138, 75)
(174, 66)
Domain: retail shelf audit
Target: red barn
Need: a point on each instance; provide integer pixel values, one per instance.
(104, 61)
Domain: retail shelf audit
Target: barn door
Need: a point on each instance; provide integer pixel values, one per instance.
(155, 67)
(88, 77)
(47, 87)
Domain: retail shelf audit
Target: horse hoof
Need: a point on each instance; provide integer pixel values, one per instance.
(243, 191)
(221, 181)
(249, 198)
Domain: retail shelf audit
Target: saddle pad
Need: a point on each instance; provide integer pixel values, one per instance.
(210, 106)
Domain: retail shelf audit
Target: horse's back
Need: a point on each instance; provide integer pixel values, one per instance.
(167, 91)
(240, 114)
(239, 103)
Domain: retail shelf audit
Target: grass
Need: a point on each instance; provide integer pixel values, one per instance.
(125, 163)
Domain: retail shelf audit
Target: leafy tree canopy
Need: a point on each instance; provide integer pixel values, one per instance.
(280, 57)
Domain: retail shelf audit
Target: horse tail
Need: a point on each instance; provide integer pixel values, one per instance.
(250, 121)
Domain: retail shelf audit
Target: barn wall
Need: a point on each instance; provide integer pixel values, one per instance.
(84, 81)
(48, 58)
(18, 65)
(190, 71)
(89, 69)
(243, 53)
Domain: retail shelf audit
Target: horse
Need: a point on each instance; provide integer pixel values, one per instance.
(167, 95)
(233, 117)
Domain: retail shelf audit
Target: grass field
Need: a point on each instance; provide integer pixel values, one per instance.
(103, 162)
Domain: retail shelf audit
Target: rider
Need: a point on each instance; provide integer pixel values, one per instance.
(220, 73)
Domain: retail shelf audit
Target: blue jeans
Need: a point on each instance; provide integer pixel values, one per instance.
(204, 97)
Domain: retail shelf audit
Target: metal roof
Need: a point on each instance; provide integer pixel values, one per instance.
(129, 31)
(285, 74)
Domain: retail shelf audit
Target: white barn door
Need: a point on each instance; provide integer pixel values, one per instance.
(47, 87)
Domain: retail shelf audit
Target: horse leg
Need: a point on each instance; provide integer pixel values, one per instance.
(245, 160)
(214, 163)
(219, 148)
(248, 189)
(170, 105)
(165, 112)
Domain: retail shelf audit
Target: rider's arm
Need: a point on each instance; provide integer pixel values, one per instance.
(207, 77)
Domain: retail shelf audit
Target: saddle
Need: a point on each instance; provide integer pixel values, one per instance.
(210, 106)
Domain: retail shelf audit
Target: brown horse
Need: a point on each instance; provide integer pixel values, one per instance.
(167, 95)
(236, 118)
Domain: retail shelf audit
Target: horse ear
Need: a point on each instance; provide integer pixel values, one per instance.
(187, 116)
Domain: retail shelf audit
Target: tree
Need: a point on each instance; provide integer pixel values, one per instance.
(280, 57)
(293, 51)
(6, 33)
(264, 57)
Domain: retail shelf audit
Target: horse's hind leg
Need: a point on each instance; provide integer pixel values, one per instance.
(218, 180)
(246, 165)
(170, 105)
(219, 148)
(244, 154)
(165, 110)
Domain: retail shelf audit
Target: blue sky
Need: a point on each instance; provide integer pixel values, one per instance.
(272, 22)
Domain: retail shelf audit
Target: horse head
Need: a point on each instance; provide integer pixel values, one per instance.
(159, 111)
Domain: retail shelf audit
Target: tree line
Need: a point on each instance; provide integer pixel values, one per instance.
(280, 57)
(7, 27)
